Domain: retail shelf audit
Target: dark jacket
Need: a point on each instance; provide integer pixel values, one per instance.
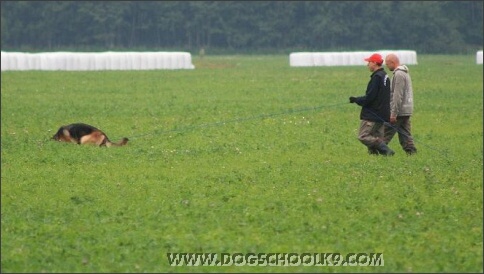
(376, 102)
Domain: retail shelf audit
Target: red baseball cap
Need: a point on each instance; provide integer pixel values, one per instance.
(375, 58)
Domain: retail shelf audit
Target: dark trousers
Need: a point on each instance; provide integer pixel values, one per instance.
(404, 129)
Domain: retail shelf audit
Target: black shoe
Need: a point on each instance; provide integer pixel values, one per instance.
(411, 151)
(383, 149)
(373, 151)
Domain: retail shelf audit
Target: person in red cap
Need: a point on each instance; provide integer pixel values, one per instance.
(375, 108)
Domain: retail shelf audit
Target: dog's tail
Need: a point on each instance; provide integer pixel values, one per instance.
(122, 142)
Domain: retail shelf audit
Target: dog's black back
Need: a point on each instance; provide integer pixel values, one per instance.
(78, 130)
(75, 132)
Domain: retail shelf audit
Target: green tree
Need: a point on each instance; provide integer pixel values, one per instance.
(424, 26)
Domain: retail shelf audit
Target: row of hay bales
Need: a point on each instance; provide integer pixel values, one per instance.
(78, 61)
(353, 58)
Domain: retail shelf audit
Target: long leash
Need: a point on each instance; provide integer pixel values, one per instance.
(225, 122)
(265, 116)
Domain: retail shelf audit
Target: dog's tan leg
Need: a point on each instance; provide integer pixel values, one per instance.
(96, 138)
(86, 139)
(102, 140)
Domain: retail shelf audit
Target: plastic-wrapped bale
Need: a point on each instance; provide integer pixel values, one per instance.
(301, 59)
(308, 59)
(479, 57)
(406, 57)
(80, 61)
(13, 60)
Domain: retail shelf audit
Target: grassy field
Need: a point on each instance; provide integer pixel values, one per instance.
(244, 154)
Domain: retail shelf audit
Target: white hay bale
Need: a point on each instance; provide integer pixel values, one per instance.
(308, 59)
(479, 57)
(80, 61)
(301, 59)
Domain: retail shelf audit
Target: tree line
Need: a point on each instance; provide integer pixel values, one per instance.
(437, 27)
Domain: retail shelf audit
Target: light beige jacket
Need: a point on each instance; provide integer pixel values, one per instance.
(401, 94)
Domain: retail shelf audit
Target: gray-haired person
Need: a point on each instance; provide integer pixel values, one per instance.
(401, 105)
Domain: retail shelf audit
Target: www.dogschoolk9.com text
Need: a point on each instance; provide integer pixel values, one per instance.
(275, 259)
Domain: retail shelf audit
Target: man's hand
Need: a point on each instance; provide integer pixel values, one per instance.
(393, 119)
(352, 99)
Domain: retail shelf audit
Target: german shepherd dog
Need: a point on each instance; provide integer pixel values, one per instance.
(81, 134)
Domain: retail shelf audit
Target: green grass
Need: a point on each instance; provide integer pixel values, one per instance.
(243, 154)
